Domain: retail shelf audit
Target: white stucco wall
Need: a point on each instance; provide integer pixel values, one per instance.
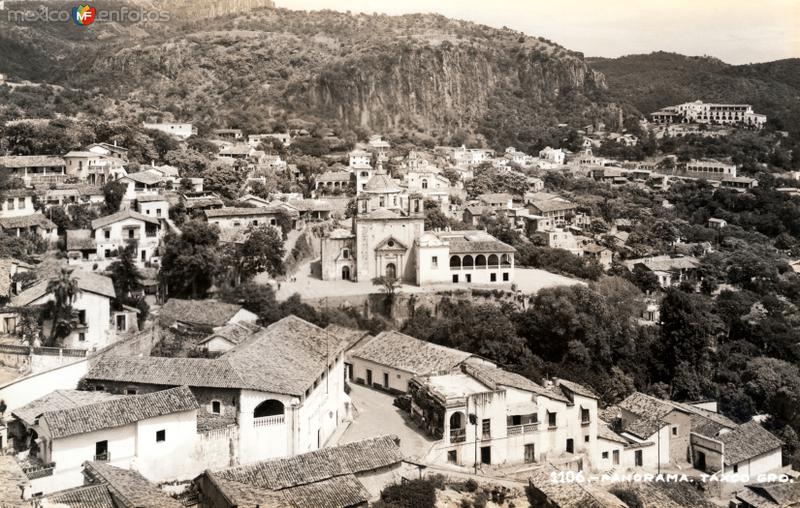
(24, 390)
(98, 318)
(119, 237)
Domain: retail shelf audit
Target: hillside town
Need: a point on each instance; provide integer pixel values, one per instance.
(296, 312)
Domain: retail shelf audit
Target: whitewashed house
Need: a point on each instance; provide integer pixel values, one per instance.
(150, 433)
(18, 216)
(92, 304)
(115, 232)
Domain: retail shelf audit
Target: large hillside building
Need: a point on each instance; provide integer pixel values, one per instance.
(705, 113)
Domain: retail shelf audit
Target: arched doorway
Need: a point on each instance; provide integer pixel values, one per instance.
(458, 431)
(455, 262)
(345, 273)
(270, 407)
(391, 271)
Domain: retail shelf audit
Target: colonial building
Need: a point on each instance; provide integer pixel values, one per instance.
(35, 169)
(485, 415)
(93, 168)
(700, 112)
(115, 232)
(463, 257)
(279, 393)
(179, 130)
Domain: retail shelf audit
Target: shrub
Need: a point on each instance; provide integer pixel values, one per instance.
(419, 493)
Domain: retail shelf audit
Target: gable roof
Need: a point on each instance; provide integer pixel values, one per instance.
(120, 216)
(26, 221)
(128, 488)
(86, 496)
(747, 441)
(396, 245)
(87, 281)
(406, 353)
(58, 400)
(347, 459)
(286, 358)
(234, 332)
(211, 313)
(30, 161)
(495, 376)
(145, 177)
(769, 495)
(117, 412)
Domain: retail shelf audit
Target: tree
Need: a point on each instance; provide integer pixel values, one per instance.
(389, 285)
(223, 179)
(125, 274)
(262, 251)
(190, 259)
(64, 289)
(113, 192)
(285, 222)
(434, 217)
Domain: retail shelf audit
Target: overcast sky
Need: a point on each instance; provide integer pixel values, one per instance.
(733, 30)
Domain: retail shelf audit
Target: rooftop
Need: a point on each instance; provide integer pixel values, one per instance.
(212, 313)
(235, 211)
(30, 161)
(87, 281)
(60, 400)
(145, 177)
(27, 221)
(128, 488)
(746, 442)
(120, 216)
(409, 354)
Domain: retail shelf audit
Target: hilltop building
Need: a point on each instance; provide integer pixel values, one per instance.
(705, 113)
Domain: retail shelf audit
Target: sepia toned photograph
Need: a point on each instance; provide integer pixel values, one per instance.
(417, 254)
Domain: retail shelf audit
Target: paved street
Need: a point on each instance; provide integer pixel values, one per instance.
(378, 416)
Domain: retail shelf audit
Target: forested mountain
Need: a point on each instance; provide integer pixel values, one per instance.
(649, 82)
(415, 73)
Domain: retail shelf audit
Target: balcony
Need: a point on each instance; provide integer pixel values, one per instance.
(528, 428)
(35, 471)
(268, 421)
(458, 435)
(102, 457)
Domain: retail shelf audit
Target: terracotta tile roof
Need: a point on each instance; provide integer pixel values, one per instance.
(571, 494)
(89, 496)
(777, 494)
(87, 281)
(27, 221)
(497, 197)
(117, 412)
(59, 400)
(128, 488)
(604, 431)
(475, 243)
(211, 313)
(747, 441)
(406, 353)
(351, 458)
(234, 332)
(153, 198)
(340, 491)
(286, 357)
(202, 202)
(234, 211)
(12, 480)
(495, 376)
(311, 205)
(577, 388)
(641, 404)
(164, 371)
(381, 183)
(145, 177)
(244, 495)
(119, 216)
(348, 336)
(552, 205)
(30, 161)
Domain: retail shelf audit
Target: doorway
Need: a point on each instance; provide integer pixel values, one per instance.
(391, 271)
(638, 459)
(530, 453)
(385, 380)
(570, 446)
(369, 377)
(345, 273)
(700, 462)
(486, 454)
(101, 451)
(615, 457)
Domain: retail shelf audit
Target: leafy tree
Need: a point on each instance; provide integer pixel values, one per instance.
(190, 260)
(434, 217)
(125, 274)
(113, 192)
(417, 493)
(224, 179)
(284, 222)
(262, 251)
(388, 285)
(64, 289)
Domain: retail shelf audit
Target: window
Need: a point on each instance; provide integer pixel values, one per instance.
(273, 222)
(82, 317)
(516, 420)
(674, 431)
(735, 468)
(82, 337)
(101, 451)
(158, 212)
(255, 223)
(505, 277)
(455, 278)
(216, 407)
(130, 391)
(552, 420)
(434, 262)
(585, 439)
(107, 233)
(486, 428)
(11, 204)
(161, 436)
(469, 277)
(452, 456)
(122, 322)
(584, 416)
(493, 277)
(605, 455)
(345, 253)
(131, 233)
(236, 224)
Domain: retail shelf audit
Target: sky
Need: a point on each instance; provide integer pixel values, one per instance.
(735, 31)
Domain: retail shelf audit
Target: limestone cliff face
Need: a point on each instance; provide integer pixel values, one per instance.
(438, 86)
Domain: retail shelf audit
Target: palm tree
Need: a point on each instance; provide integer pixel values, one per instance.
(64, 289)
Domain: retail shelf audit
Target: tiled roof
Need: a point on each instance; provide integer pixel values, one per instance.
(87, 281)
(348, 336)
(773, 495)
(128, 488)
(244, 495)
(340, 491)
(747, 441)
(497, 197)
(59, 400)
(571, 494)
(165, 371)
(640, 404)
(286, 357)
(30, 161)
(333, 176)
(351, 458)
(202, 202)
(381, 182)
(311, 205)
(12, 479)
(406, 353)
(577, 388)
(145, 177)
(234, 332)
(80, 239)
(88, 496)
(495, 376)
(233, 211)
(211, 313)
(26, 221)
(117, 412)
(604, 431)
(552, 205)
(152, 198)
(476, 244)
(119, 216)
